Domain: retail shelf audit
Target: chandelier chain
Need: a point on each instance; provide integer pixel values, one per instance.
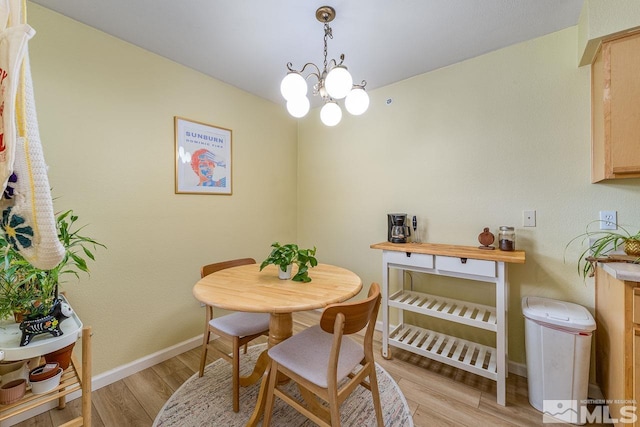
(327, 33)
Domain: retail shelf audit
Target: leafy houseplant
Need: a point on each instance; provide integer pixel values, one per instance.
(604, 242)
(285, 255)
(25, 288)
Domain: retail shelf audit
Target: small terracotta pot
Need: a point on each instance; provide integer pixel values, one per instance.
(62, 356)
(44, 372)
(18, 316)
(12, 391)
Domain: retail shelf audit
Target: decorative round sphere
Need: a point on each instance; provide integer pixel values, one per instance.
(298, 107)
(486, 237)
(331, 114)
(338, 82)
(357, 101)
(293, 86)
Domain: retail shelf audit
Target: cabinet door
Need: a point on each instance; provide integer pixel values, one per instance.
(636, 370)
(616, 109)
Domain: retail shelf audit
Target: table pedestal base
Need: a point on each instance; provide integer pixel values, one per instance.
(280, 328)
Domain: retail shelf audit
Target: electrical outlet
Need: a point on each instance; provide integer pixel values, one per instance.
(529, 218)
(608, 220)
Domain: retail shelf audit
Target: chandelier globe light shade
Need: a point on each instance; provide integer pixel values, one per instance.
(293, 86)
(357, 102)
(334, 83)
(338, 82)
(331, 114)
(298, 107)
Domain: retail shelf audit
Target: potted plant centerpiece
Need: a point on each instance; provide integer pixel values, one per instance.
(25, 289)
(284, 256)
(602, 242)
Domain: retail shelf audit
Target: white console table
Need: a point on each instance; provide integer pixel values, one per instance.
(466, 262)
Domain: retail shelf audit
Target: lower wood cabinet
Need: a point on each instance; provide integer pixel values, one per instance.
(617, 345)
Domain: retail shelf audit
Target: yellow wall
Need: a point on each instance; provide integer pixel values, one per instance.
(466, 147)
(106, 113)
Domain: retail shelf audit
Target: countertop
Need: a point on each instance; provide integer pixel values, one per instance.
(622, 270)
(472, 252)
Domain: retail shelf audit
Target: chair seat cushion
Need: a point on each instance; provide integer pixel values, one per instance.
(241, 324)
(307, 354)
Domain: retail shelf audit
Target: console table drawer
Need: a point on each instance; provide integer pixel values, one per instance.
(466, 266)
(410, 259)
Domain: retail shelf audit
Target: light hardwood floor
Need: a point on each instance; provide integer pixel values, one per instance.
(437, 394)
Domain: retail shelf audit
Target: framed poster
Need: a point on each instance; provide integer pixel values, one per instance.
(203, 158)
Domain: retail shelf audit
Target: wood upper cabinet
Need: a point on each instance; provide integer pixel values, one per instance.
(615, 109)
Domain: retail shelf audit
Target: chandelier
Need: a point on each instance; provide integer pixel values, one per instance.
(334, 82)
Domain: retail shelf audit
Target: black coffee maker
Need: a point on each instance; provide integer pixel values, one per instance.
(398, 231)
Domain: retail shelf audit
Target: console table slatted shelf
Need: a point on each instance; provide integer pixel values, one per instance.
(468, 313)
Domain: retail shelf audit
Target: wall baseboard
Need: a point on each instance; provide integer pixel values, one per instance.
(124, 371)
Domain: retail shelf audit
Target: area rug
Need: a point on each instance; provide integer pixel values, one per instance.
(206, 401)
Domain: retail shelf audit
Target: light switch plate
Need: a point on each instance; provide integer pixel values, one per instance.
(529, 218)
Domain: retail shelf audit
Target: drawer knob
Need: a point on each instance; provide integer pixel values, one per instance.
(408, 254)
(463, 260)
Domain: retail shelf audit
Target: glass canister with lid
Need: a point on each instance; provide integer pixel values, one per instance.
(507, 238)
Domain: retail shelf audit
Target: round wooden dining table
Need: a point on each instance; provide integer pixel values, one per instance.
(246, 288)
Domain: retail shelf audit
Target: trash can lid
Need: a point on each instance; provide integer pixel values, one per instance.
(560, 313)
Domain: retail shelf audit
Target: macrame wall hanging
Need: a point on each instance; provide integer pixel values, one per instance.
(28, 220)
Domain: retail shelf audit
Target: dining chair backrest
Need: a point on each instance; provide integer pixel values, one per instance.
(205, 270)
(328, 368)
(357, 315)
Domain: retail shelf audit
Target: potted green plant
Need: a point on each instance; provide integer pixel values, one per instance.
(602, 242)
(284, 256)
(30, 290)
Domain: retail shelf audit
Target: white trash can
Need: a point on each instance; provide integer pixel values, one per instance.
(558, 348)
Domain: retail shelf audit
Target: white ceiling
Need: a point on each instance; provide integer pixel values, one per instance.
(247, 43)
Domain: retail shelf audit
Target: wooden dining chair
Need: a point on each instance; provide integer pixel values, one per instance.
(319, 358)
(240, 328)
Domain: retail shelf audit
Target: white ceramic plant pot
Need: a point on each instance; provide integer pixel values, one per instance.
(285, 275)
(39, 387)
